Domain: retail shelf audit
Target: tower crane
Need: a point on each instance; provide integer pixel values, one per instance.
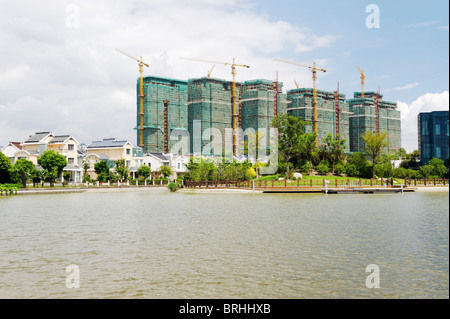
(314, 70)
(210, 71)
(233, 72)
(296, 84)
(141, 95)
(363, 77)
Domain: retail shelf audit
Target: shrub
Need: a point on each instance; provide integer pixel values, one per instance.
(307, 168)
(322, 169)
(351, 170)
(173, 186)
(339, 169)
(250, 173)
(427, 171)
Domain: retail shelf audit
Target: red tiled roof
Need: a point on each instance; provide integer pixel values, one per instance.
(16, 144)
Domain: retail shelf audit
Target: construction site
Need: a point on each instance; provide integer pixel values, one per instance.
(214, 105)
(164, 110)
(260, 102)
(371, 113)
(209, 105)
(333, 113)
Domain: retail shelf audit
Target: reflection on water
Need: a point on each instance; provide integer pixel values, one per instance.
(157, 244)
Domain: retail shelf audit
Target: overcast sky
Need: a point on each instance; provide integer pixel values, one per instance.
(59, 70)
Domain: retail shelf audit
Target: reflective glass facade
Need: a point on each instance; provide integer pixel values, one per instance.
(433, 130)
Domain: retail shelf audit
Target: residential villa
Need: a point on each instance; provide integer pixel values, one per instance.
(11, 149)
(177, 163)
(76, 154)
(35, 145)
(111, 150)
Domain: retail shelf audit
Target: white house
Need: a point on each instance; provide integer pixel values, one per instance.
(177, 163)
(11, 149)
(111, 150)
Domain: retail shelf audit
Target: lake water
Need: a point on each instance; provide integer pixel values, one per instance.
(157, 244)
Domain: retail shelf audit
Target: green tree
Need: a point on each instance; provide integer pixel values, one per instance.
(291, 142)
(322, 169)
(426, 170)
(307, 168)
(23, 168)
(36, 176)
(144, 171)
(333, 150)
(375, 144)
(165, 170)
(205, 171)
(439, 168)
(53, 164)
(309, 147)
(102, 170)
(250, 173)
(351, 170)
(340, 168)
(66, 175)
(5, 169)
(86, 166)
(122, 169)
(51, 175)
(359, 161)
(401, 153)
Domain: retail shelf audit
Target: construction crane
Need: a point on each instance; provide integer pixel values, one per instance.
(314, 70)
(363, 77)
(296, 84)
(210, 71)
(233, 72)
(141, 95)
(337, 111)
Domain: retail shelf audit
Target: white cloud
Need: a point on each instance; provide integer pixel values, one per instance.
(421, 24)
(404, 87)
(425, 103)
(68, 78)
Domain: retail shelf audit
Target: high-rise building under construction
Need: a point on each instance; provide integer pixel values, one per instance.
(372, 113)
(210, 112)
(207, 103)
(333, 113)
(165, 110)
(261, 101)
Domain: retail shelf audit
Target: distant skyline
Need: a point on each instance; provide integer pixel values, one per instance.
(59, 70)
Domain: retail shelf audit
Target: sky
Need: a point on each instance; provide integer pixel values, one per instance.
(60, 72)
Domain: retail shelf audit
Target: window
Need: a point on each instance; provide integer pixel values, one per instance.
(71, 147)
(438, 129)
(70, 160)
(438, 152)
(425, 128)
(150, 165)
(128, 163)
(179, 165)
(128, 151)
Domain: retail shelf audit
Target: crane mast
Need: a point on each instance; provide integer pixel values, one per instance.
(314, 70)
(235, 114)
(141, 95)
(363, 77)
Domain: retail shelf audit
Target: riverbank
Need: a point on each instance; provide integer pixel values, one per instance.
(39, 191)
(439, 189)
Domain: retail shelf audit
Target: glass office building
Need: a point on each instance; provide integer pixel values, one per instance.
(433, 131)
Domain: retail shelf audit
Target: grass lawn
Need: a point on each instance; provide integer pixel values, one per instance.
(317, 180)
